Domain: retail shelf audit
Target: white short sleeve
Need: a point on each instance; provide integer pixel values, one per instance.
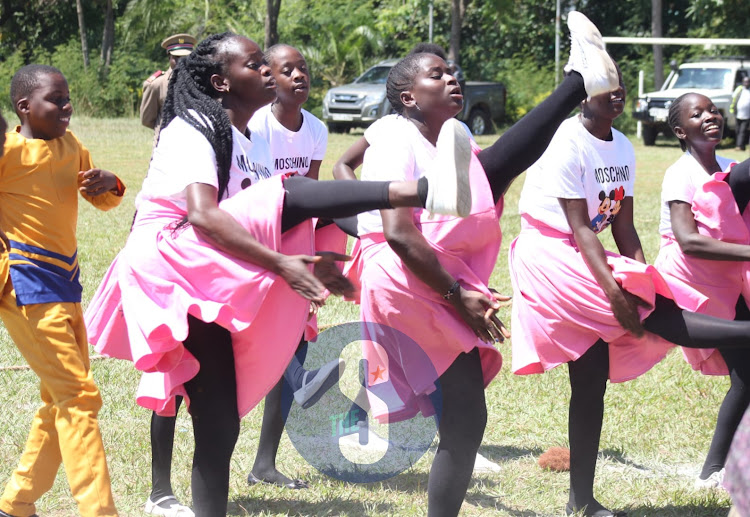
(681, 181)
(577, 165)
(560, 169)
(392, 158)
(182, 157)
(320, 135)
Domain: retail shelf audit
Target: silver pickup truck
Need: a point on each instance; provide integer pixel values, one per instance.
(362, 102)
(715, 78)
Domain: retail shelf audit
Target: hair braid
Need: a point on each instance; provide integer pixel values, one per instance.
(674, 117)
(401, 78)
(191, 97)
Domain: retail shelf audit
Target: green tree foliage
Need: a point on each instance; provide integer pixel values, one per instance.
(506, 40)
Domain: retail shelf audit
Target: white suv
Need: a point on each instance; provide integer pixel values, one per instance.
(717, 79)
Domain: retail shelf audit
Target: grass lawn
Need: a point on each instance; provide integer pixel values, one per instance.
(656, 432)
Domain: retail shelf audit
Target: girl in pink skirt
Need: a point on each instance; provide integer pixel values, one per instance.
(194, 298)
(427, 277)
(706, 243)
(606, 315)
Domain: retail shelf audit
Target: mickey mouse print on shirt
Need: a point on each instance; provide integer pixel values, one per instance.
(577, 165)
(609, 207)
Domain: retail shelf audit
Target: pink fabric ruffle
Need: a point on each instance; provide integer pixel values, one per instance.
(393, 297)
(716, 216)
(560, 311)
(140, 310)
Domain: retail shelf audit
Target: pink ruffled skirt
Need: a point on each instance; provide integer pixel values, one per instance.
(140, 310)
(560, 311)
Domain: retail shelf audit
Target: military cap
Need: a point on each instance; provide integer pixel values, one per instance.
(179, 44)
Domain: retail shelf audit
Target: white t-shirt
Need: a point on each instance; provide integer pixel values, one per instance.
(577, 165)
(397, 152)
(184, 156)
(292, 151)
(680, 182)
(385, 127)
(743, 104)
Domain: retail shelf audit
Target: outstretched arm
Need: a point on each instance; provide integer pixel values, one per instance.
(624, 305)
(695, 244)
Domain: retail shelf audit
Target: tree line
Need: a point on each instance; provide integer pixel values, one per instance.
(108, 47)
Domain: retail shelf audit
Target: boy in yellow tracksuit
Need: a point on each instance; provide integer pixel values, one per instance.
(43, 170)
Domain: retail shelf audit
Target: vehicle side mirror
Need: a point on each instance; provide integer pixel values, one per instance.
(673, 65)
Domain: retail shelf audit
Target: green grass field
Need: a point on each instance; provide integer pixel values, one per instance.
(656, 431)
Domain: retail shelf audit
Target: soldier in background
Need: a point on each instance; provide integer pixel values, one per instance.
(155, 87)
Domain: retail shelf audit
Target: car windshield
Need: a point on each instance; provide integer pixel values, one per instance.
(375, 75)
(704, 78)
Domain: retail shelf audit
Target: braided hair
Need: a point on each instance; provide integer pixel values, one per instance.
(674, 117)
(191, 97)
(401, 78)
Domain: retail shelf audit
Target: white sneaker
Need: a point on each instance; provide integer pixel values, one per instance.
(169, 506)
(715, 480)
(588, 57)
(482, 465)
(324, 379)
(449, 189)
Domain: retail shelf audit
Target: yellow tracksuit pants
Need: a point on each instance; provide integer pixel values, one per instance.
(52, 339)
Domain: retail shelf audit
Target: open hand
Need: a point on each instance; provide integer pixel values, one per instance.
(480, 313)
(295, 271)
(96, 182)
(328, 272)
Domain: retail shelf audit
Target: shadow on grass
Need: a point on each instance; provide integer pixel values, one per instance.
(619, 457)
(291, 506)
(711, 509)
(500, 453)
(502, 508)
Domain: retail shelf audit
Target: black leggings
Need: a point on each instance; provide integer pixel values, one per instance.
(213, 392)
(737, 399)
(588, 380)
(216, 421)
(463, 418)
(306, 198)
(162, 443)
(521, 145)
(525, 142)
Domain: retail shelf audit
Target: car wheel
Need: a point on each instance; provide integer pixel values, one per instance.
(337, 128)
(479, 122)
(649, 135)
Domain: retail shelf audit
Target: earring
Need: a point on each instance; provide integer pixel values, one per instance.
(227, 89)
